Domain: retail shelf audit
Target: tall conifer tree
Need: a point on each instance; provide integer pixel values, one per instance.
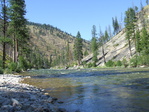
(78, 47)
(18, 27)
(130, 20)
(102, 39)
(94, 45)
(145, 41)
(4, 27)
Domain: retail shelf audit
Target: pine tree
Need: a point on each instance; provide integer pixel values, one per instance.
(109, 32)
(102, 40)
(138, 42)
(130, 21)
(18, 28)
(94, 50)
(147, 2)
(141, 5)
(86, 53)
(78, 47)
(68, 52)
(94, 46)
(106, 36)
(115, 24)
(145, 41)
(4, 27)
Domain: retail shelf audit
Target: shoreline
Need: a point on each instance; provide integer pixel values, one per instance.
(19, 97)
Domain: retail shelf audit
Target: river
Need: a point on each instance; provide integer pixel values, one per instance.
(96, 90)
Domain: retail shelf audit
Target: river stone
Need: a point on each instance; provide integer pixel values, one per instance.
(61, 110)
(12, 109)
(44, 96)
(15, 102)
(54, 100)
(33, 98)
(6, 102)
(18, 97)
(2, 100)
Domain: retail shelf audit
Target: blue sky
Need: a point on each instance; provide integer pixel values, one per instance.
(78, 15)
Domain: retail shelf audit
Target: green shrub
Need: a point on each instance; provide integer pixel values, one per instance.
(22, 64)
(94, 64)
(110, 63)
(124, 62)
(1, 71)
(18, 69)
(12, 66)
(89, 65)
(7, 71)
(118, 63)
(1, 63)
(143, 60)
(139, 60)
(7, 63)
(84, 63)
(134, 62)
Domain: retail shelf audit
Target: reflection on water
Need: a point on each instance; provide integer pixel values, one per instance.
(96, 90)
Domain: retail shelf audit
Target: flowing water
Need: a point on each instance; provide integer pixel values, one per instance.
(96, 90)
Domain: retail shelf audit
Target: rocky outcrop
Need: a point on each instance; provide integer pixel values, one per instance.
(117, 48)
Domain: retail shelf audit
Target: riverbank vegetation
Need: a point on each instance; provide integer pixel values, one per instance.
(20, 50)
(17, 53)
(14, 34)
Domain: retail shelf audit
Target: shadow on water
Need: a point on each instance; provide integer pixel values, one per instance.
(86, 74)
(142, 83)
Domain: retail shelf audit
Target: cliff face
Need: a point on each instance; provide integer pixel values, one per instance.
(117, 48)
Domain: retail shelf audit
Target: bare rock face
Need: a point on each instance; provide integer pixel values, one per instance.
(117, 48)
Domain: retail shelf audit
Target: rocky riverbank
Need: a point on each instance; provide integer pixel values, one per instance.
(19, 97)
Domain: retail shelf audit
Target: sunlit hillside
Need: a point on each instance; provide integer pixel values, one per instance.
(51, 41)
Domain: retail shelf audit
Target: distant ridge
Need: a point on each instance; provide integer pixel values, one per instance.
(51, 41)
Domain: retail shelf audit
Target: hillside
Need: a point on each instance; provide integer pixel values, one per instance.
(49, 44)
(51, 41)
(117, 48)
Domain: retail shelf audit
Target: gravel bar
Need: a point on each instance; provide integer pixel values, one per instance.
(19, 97)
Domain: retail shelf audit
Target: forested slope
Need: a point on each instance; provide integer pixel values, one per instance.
(117, 48)
(53, 43)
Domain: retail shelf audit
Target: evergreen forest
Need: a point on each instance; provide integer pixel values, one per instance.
(28, 45)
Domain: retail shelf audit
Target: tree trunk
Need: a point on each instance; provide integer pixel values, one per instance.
(130, 48)
(4, 32)
(79, 62)
(14, 49)
(4, 54)
(103, 54)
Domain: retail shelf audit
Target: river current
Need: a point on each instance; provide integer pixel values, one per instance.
(96, 90)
